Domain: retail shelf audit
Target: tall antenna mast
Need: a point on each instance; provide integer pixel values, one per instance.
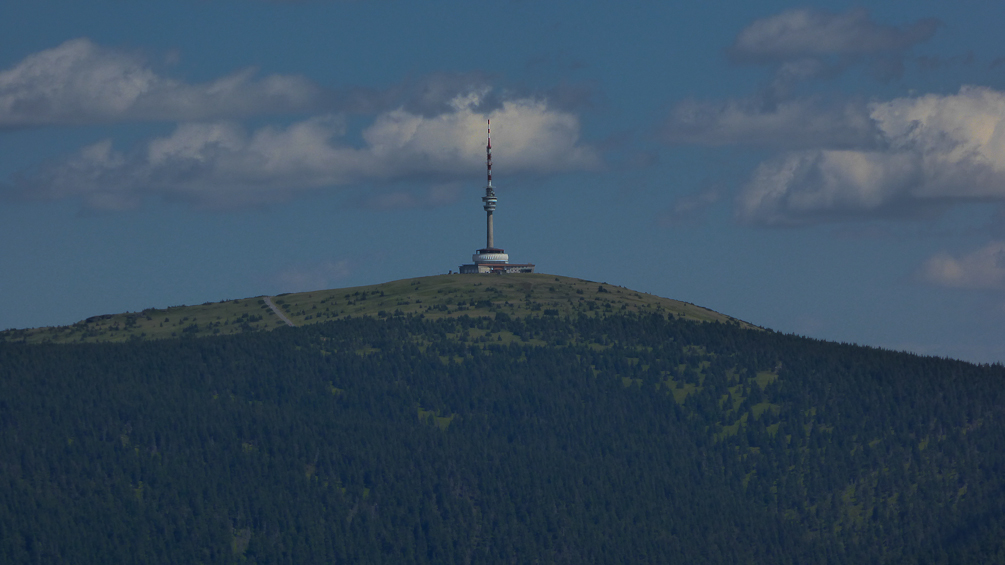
(490, 194)
(491, 259)
(488, 160)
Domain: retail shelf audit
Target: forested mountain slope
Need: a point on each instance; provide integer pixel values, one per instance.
(625, 438)
(441, 296)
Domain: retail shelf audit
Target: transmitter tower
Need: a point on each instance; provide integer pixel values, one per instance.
(491, 259)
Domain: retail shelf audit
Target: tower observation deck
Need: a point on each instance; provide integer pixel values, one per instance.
(491, 259)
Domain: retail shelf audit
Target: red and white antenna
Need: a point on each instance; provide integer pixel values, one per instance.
(489, 199)
(488, 156)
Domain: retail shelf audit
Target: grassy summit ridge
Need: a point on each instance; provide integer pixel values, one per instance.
(434, 297)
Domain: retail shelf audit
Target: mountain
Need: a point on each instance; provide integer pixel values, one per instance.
(662, 433)
(434, 297)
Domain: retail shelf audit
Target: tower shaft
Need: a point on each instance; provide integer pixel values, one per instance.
(489, 199)
(489, 239)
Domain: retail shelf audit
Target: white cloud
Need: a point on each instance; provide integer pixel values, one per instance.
(802, 45)
(428, 128)
(935, 151)
(79, 82)
(981, 269)
(221, 165)
(803, 32)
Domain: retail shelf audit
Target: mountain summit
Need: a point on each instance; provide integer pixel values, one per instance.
(434, 297)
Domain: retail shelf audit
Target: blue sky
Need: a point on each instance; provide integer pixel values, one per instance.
(831, 169)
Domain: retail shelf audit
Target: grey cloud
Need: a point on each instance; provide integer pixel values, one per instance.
(436, 93)
(937, 151)
(220, 165)
(428, 95)
(805, 32)
(802, 45)
(805, 187)
(911, 157)
(790, 73)
(79, 82)
(573, 96)
(982, 269)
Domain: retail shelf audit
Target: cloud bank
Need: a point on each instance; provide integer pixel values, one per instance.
(983, 269)
(935, 151)
(220, 164)
(79, 82)
(428, 129)
(843, 158)
(805, 32)
(800, 45)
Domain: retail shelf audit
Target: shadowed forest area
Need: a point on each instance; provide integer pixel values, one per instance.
(563, 438)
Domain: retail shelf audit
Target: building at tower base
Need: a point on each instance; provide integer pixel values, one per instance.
(494, 260)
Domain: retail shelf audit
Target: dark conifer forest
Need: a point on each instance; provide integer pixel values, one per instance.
(627, 438)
